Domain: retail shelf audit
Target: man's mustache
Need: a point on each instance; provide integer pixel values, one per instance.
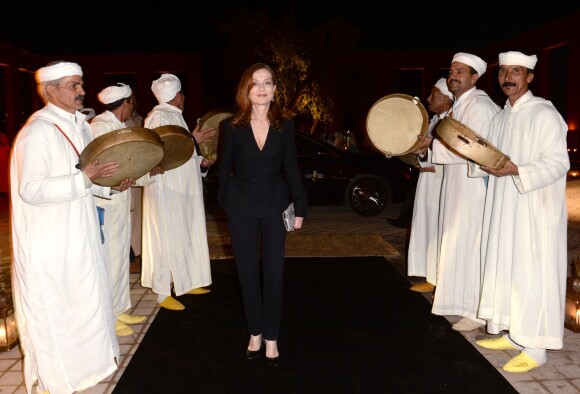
(80, 97)
(507, 84)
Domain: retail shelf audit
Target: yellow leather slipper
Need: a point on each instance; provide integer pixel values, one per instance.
(500, 343)
(122, 329)
(131, 319)
(520, 363)
(172, 304)
(466, 324)
(199, 290)
(423, 287)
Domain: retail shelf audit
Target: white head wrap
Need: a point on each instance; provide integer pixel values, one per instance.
(513, 58)
(57, 71)
(166, 87)
(111, 94)
(89, 113)
(441, 84)
(471, 60)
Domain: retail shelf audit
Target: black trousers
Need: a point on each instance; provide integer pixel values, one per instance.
(261, 284)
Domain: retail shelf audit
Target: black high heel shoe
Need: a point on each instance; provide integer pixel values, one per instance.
(273, 361)
(252, 354)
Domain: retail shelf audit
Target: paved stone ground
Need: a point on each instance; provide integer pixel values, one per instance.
(560, 375)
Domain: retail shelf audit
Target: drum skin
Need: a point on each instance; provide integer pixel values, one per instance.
(137, 150)
(209, 149)
(397, 124)
(178, 146)
(469, 144)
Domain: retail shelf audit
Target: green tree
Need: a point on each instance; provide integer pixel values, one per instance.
(309, 61)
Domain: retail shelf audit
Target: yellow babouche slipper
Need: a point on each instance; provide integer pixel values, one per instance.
(131, 319)
(123, 330)
(520, 363)
(466, 324)
(172, 304)
(500, 343)
(199, 290)
(423, 287)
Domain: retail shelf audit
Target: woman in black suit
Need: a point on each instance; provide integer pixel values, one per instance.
(259, 176)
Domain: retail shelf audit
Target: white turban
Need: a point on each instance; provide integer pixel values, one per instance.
(166, 87)
(111, 94)
(471, 60)
(89, 113)
(57, 71)
(441, 84)
(513, 58)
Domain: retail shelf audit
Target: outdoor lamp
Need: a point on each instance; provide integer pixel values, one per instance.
(8, 331)
(572, 317)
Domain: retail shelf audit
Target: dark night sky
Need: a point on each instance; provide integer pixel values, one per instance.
(67, 27)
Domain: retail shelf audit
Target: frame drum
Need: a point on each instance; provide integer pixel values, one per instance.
(213, 119)
(469, 144)
(178, 146)
(137, 150)
(396, 124)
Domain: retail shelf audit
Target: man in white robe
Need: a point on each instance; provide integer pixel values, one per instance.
(422, 255)
(462, 199)
(175, 249)
(118, 102)
(61, 292)
(525, 222)
(135, 120)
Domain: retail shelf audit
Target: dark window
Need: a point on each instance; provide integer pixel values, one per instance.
(559, 78)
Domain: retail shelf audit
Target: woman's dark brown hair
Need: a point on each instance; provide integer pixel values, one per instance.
(244, 106)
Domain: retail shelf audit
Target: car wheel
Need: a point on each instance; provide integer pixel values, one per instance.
(368, 195)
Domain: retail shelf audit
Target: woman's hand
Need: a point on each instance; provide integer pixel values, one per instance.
(298, 222)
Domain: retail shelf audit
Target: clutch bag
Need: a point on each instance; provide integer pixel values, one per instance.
(288, 217)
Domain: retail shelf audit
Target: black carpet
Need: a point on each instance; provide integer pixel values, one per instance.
(350, 325)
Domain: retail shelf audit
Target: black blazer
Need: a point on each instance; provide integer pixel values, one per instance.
(259, 183)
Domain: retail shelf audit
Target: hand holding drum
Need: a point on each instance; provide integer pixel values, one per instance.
(467, 143)
(205, 135)
(211, 120)
(397, 126)
(127, 153)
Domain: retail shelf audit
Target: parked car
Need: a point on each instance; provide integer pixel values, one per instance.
(365, 182)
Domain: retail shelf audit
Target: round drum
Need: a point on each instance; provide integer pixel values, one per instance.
(396, 124)
(137, 150)
(178, 146)
(213, 119)
(469, 144)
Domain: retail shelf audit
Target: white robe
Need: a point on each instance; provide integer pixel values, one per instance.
(461, 215)
(136, 227)
(174, 244)
(62, 297)
(524, 244)
(117, 226)
(423, 253)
